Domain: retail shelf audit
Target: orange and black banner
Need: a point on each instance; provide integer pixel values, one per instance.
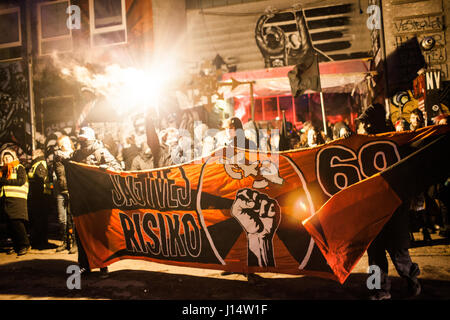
(244, 211)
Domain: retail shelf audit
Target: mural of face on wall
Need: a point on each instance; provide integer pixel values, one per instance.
(281, 39)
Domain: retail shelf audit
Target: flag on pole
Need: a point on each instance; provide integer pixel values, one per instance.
(284, 139)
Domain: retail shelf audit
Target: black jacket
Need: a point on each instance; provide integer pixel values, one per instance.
(58, 167)
(37, 178)
(94, 153)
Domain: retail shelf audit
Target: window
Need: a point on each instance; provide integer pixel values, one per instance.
(203, 4)
(258, 110)
(107, 22)
(53, 34)
(10, 20)
(270, 106)
(286, 106)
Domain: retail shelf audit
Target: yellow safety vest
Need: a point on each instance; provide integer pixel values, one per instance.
(15, 191)
(47, 184)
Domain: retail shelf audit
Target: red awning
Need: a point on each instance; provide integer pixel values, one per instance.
(336, 76)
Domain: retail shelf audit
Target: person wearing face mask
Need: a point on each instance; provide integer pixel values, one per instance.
(13, 200)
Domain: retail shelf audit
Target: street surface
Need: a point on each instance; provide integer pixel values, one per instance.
(42, 275)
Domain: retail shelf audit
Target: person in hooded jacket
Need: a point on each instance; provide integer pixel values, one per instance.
(394, 237)
(13, 200)
(92, 152)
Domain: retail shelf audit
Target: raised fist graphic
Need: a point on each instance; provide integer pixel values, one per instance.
(259, 215)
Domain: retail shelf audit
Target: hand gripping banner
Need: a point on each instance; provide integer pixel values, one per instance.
(245, 211)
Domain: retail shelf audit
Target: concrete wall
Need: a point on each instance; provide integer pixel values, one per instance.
(169, 25)
(405, 19)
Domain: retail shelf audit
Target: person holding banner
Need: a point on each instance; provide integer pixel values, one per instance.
(66, 231)
(394, 237)
(92, 152)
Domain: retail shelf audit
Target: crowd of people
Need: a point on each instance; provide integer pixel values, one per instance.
(28, 193)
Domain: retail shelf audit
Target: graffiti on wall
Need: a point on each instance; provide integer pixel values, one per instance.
(419, 23)
(14, 107)
(404, 102)
(422, 26)
(278, 37)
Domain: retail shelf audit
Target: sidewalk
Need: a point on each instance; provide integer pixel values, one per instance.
(41, 274)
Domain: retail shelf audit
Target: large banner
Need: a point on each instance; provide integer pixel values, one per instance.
(241, 211)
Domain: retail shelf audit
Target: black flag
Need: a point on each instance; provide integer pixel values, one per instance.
(305, 75)
(283, 144)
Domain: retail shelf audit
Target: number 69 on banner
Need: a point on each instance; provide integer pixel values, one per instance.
(339, 167)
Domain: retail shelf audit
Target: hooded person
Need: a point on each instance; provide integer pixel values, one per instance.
(13, 200)
(373, 120)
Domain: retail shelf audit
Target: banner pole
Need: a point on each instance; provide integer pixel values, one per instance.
(323, 114)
